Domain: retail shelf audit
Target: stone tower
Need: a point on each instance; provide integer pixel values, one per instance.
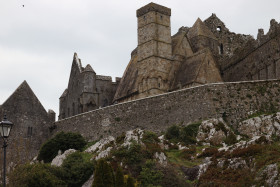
(154, 49)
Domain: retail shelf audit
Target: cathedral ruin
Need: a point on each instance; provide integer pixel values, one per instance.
(206, 52)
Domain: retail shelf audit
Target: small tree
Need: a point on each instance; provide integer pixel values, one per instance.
(103, 175)
(172, 132)
(119, 178)
(130, 181)
(62, 141)
(34, 175)
(77, 169)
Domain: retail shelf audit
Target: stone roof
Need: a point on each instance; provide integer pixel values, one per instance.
(23, 98)
(189, 70)
(153, 7)
(127, 84)
(78, 62)
(64, 93)
(89, 68)
(200, 29)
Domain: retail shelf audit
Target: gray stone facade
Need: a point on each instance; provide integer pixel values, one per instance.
(86, 91)
(31, 125)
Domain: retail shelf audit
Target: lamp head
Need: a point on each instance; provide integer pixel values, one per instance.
(5, 127)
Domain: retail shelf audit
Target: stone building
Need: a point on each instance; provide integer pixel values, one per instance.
(206, 52)
(31, 125)
(86, 91)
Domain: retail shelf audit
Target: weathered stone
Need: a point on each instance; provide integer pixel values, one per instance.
(162, 159)
(58, 160)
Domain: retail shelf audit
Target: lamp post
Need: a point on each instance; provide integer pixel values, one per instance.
(5, 128)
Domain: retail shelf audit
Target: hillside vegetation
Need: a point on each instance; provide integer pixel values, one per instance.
(206, 153)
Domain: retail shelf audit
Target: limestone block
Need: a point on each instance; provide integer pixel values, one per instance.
(164, 50)
(147, 49)
(153, 17)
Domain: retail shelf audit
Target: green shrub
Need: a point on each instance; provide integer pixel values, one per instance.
(230, 139)
(172, 132)
(78, 169)
(150, 175)
(103, 176)
(119, 178)
(62, 141)
(35, 175)
(188, 133)
(150, 137)
(130, 181)
(132, 155)
(171, 178)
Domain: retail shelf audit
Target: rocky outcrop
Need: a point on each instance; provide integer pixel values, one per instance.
(261, 125)
(58, 160)
(213, 131)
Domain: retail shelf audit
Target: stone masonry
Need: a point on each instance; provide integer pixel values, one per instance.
(232, 101)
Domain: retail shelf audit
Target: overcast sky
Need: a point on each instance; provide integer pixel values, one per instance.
(38, 40)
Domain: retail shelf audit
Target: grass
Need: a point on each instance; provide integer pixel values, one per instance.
(89, 144)
(175, 157)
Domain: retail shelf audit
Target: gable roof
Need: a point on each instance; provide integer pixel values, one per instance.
(23, 99)
(200, 29)
(189, 71)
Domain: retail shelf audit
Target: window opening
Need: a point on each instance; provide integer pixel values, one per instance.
(29, 131)
(219, 28)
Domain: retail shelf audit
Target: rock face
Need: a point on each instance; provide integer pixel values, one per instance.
(271, 175)
(100, 144)
(162, 159)
(262, 125)
(213, 131)
(58, 160)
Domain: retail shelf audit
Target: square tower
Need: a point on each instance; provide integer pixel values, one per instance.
(154, 48)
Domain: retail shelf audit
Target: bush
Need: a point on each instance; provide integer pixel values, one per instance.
(130, 181)
(172, 132)
(191, 130)
(62, 141)
(150, 137)
(119, 178)
(230, 139)
(103, 176)
(77, 168)
(210, 151)
(186, 134)
(131, 156)
(150, 175)
(34, 175)
(171, 178)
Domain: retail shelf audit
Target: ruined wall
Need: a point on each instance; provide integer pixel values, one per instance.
(262, 63)
(233, 101)
(106, 89)
(86, 91)
(30, 129)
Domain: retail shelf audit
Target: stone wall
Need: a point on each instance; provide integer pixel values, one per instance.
(31, 126)
(233, 101)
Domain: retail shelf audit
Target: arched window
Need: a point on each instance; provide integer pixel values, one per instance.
(219, 28)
